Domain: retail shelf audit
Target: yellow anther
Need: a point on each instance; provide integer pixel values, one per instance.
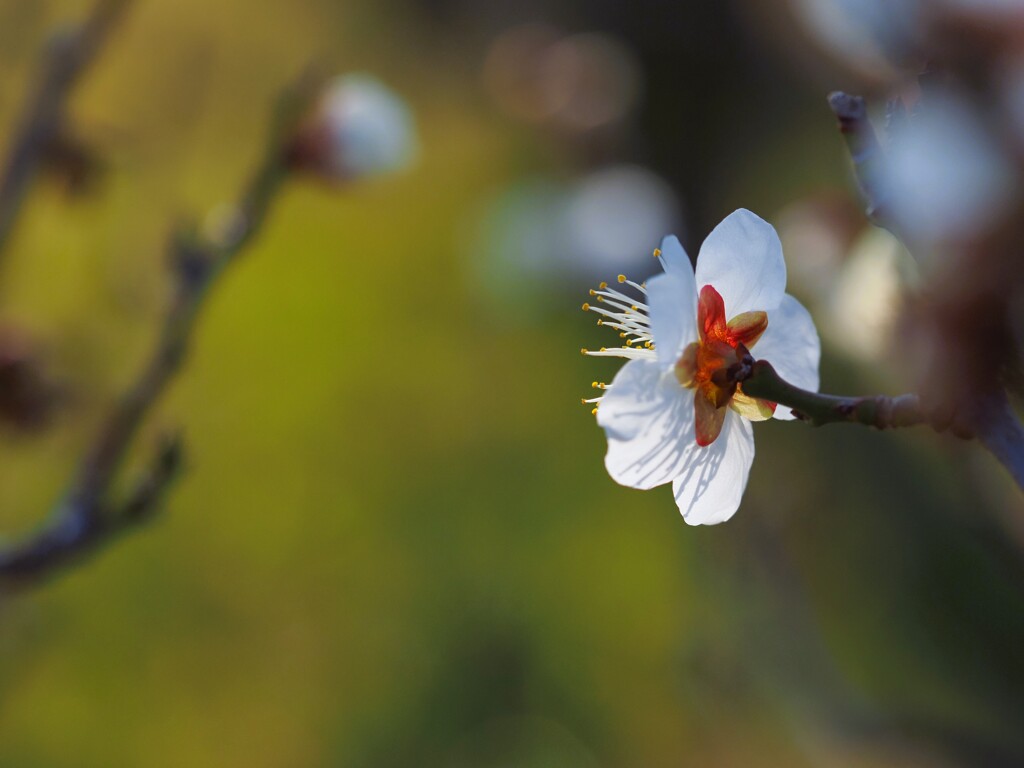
(602, 286)
(583, 351)
(593, 292)
(583, 401)
(622, 335)
(600, 298)
(635, 308)
(595, 385)
(594, 412)
(622, 278)
(599, 321)
(586, 307)
(628, 341)
(657, 253)
(604, 349)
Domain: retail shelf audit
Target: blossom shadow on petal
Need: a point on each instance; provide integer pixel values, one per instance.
(648, 419)
(711, 487)
(704, 463)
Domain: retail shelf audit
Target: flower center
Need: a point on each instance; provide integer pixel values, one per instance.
(708, 365)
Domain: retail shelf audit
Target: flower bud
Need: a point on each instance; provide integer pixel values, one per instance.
(358, 128)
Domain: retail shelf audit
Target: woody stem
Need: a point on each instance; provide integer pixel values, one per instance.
(760, 380)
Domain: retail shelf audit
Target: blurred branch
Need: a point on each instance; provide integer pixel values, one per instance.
(80, 526)
(760, 380)
(86, 518)
(67, 56)
(998, 429)
(865, 151)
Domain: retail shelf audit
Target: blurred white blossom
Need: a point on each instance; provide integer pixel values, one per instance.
(945, 177)
(860, 313)
(1012, 93)
(574, 83)
(816, 234)
(549, 233)
(360, 127)
(987, 11)
(871, 36)
(613, 211)
(371, 127)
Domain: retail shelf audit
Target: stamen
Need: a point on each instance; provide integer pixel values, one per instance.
(624, 314)
(630, 353)
(627, 301)
(624, 321)
(628, 327)
(611, 300)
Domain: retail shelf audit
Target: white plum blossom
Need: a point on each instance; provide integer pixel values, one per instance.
(674, 413)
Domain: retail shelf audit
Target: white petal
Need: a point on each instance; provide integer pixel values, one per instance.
(742, 259)
(791, 345)
(710, 487)
(673, 311)
(674, 259)
(648, 419)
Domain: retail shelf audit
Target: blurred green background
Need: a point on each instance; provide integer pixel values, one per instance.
(395, 543)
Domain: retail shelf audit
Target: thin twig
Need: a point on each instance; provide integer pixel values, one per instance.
(67, 56)
(78, 527)
(865, 152)
(86, 518)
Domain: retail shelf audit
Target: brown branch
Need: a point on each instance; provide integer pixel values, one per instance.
(79, 526)
(86, 518)
(991, 421)
(66, 58)
(760, 380)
